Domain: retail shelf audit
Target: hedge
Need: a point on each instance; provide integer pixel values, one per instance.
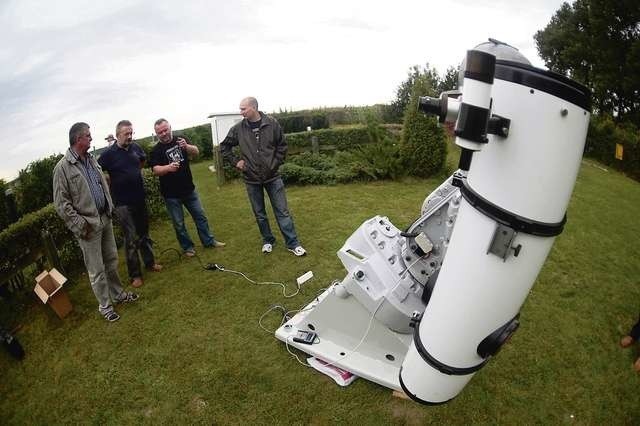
(340, 139)
(299, 121)
(337, 116)
(24, 236)
(602, 138)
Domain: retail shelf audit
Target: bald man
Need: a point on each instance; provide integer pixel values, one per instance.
(262, 150)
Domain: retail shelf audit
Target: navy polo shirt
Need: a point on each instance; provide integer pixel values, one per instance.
(123, 166)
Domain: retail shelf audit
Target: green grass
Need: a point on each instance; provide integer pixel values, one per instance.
(190, 350)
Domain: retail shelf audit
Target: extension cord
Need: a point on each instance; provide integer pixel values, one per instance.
(213, 267)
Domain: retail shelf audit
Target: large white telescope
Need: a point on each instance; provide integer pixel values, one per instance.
(423, 310)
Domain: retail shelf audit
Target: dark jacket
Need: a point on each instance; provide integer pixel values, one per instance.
(263, 155)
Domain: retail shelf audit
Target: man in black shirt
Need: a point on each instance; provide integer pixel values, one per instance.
(170, 161)
(123, 161)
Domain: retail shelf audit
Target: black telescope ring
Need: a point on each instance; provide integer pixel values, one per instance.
(512, 220)
(440, 366)
(414, 397)
(546, 81)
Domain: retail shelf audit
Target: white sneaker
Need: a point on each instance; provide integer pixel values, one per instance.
(267, 248)
(298, 251)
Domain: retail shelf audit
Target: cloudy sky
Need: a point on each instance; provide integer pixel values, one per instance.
(100, 62)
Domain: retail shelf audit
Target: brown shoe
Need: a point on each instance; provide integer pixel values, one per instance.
(156, 267)
(190, 253)
(137, 282)
(218, 244)
(636, 365)
(627, 341)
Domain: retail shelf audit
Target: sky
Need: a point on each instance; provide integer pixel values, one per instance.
(66, 61)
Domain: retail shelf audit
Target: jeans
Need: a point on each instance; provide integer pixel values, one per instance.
(101, 259)
(278, 198)
(134, 221)
(192, 204)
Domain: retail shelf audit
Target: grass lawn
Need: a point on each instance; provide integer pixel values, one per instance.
(190, 350)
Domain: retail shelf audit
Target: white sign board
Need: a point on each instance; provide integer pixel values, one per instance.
(220, 125)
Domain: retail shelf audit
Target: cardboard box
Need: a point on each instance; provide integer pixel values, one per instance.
(49, 290)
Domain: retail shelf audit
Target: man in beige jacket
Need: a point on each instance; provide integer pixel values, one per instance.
(81, 198)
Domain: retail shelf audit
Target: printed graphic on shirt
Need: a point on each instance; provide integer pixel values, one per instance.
(256, 133)
(174, 154)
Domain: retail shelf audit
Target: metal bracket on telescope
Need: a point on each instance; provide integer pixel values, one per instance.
(501, 242)
(416, 317)
(499, 126)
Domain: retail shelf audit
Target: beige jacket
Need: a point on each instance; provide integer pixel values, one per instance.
(72, 196)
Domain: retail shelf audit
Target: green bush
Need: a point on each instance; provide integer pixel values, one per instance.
(35, 182)
(423, 145)
(602, 138)
(4, 211)
(155, 202)
(24, 237)
(340, 139)
(370, 162)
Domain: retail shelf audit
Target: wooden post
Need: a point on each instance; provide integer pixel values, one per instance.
(217, 156)
(51, 252)
(314, 145)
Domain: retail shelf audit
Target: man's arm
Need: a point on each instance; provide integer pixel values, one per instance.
(226, 147)
(280, 144)
(165, 170)
(192, 150)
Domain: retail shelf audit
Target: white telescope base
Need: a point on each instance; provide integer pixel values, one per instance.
(341, 323)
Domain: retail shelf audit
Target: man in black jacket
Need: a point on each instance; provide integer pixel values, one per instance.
(263, 149)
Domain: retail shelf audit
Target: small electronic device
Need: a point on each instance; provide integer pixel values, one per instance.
(306, 337)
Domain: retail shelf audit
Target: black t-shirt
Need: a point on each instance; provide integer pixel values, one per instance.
(255, 128)
(177, 184)
(123, 166)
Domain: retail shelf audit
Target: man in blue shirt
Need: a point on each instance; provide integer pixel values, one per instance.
(123, 161)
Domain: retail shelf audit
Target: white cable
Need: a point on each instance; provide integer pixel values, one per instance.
(284, 288)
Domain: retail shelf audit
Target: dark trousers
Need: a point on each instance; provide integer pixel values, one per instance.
(134, 220)
(635, 331)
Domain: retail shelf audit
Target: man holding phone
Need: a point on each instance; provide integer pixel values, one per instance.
(170, 162)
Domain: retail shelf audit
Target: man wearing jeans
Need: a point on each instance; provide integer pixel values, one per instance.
(262, 149)
(170, 161)
(123, 161)
(82, 200)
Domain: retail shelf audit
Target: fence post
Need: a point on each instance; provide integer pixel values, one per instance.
(315, 149)
(219, 164)
(51, 252)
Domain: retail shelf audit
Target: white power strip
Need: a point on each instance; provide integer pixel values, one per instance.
(304, 277)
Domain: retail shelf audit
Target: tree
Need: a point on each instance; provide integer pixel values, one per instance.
(423, 145)
(4, 215)
(449, 80)
(597, 43)
(429, 79)
(36, 183)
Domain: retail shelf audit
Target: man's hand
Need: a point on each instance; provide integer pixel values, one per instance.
(182, 143)
(86, 231)
(173, 167)
(240, 165)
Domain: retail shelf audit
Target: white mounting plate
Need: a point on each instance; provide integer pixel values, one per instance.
(341, 323)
